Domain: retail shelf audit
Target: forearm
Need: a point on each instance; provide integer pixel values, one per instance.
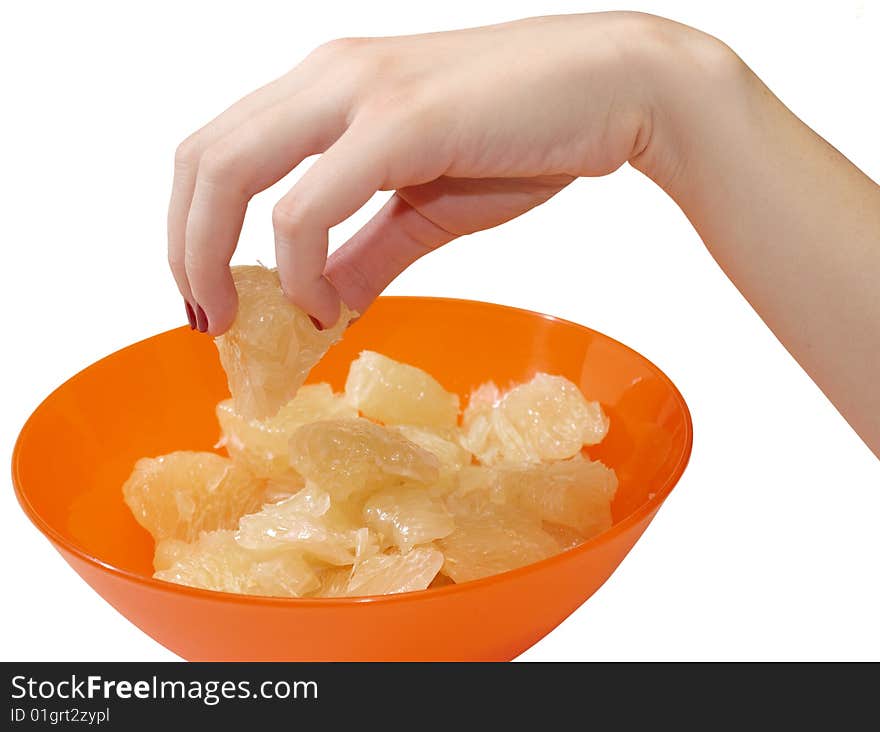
(790, 220)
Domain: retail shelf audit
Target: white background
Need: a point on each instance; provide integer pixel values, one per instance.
(769, 546)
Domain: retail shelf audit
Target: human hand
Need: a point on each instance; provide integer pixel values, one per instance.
(470, 128)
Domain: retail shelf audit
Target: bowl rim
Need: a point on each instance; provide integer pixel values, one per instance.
(659, 495)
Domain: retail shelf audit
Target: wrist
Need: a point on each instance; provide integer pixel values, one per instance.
(693, 85)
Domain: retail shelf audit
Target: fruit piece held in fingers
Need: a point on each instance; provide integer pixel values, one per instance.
(272, 345)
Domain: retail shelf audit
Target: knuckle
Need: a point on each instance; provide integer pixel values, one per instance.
(339, 47)
(288, 216)
(187, 153)
(354, 61)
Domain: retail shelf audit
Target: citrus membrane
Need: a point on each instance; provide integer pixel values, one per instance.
(349, 456)
(397, 393)
(177, 496)
(215, 561)
(262, 445)
(547, 418)
(272, 344)
(381, 489)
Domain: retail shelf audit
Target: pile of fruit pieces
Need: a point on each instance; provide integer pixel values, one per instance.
(380, 489)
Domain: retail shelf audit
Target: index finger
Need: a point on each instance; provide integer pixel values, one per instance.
(341, 181)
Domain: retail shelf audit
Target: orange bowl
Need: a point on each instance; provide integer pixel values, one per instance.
(158, 395)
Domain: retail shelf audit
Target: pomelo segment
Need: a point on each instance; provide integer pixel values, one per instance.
(573, 493)
(441, 580)
(547, 418)
(179, 495)
(566, 537)
(306, 522)
(349, 456)
(263, 445)
(397, 393)
(334, 582)
(279, 490)
(374, 491)
(386, 574)
(444, 443)
(493, 539)
(217, 562)
(272, 345)
(406, 517)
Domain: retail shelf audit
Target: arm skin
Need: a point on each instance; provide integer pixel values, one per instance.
(791, 221)
(473, 128)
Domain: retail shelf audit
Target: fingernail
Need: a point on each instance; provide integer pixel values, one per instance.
(190, 315)
(201, 320)
(316, 323)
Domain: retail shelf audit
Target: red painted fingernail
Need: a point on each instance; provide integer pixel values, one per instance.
(316, 323)
(201, 320)
(190, 315)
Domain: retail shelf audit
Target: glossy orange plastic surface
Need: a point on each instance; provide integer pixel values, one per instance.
(158, 395)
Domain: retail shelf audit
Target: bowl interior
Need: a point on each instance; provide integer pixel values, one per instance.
(158, 395)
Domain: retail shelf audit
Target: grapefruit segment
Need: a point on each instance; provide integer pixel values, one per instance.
(386, 574)
(262, 445)
(215, 561)
(406, 517)
(349, 456)
(179, 495)
(306, 522)
(397, 393)
(547, 418)
(493, 539)
(272, 344)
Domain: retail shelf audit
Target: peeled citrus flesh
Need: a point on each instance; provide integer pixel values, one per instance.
(441, 580)
(573, 493)
(215, 561)
(443, 442)
(374, 491)
(547, 418)
(271, 346)
(306, 522)
(348, 456)
(386, 574)
(494, 539)
(566, 537)
(262, 445)
(406, 517)
(177, 496)
(397, 393)
(334, 582)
